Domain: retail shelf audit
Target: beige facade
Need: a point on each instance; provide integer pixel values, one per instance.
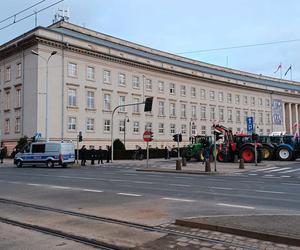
(92, 73)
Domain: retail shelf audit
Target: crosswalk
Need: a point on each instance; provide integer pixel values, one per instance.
(273, 172)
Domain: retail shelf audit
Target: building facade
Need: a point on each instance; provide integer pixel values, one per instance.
(91, 73)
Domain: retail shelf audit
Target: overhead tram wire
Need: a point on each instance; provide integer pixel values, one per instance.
(49, 6)
(239, 46)
(13, 16)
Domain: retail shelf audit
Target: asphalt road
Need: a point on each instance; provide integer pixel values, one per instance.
(153, 198)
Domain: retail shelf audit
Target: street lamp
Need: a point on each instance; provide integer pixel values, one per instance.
(126, 119)
(47, 83)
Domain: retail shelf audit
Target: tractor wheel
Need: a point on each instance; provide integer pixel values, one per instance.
(221, 156)
(284, 154)
(247, 153)
(199, 155)
(267, 153)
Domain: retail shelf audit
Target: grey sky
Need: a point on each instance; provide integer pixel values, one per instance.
(179, 26)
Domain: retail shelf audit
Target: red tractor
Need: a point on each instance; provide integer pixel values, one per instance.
(240, 145)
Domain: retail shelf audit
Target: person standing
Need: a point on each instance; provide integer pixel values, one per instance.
(93, 155)
(100, 155)
(1, 153)
(166, 151)
(83, 155)
(108, 148)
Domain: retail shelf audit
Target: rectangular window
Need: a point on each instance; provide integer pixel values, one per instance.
(212, 95)
(212, 113)
(183, 129)
(161, 128)
(203, 113)
(203, 130)
(245, 100)
(122, 102)
(229, 114)
(161, 86)
(194, 112)
(72, 100)
(172, 88)
(161, 108)
(90, 101)
(193, 92)
(136, 127)
(253, 115)
(136, 108)
(183, 111)
(122, 79)
(229, 97)
(107, 102)
(202, 94)
(7, 100)
(90, 73)
(135, 82)
(106, 125)
(194, 129)
(221, 96)
(221, 114)
(19, 70)
(149, 84)
(172, 128)
(72, 69)
(245, 116)
(122, 126)
(260, 118)
(252, 101)
(237, 99)
(182, 90)
(17, 125)
(260, 102)
(7, 74)
(238, 116)
(18, 94)
(268, 118)
(90, 124)
(106, 76)
(148, 126)
(172, 109)
(267, 102)
(38, 148)
(72, 123)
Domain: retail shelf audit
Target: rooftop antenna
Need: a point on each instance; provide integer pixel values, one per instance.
(62, 14)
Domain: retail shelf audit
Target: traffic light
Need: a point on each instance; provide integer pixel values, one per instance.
(80, 136)
(218, 135)
(177, 137)
(148, 104)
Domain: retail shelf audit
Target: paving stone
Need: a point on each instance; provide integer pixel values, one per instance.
(183, 239)
(182, 244)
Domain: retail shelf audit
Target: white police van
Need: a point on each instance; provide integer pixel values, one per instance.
(46, 153)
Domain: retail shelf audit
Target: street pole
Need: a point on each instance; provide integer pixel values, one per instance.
(255, 152)
(178, 153)
(77, 148)
(147, 154)
(47, 76)
(124, 131)
(215, 151)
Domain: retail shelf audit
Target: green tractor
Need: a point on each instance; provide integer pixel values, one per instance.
(196, 148)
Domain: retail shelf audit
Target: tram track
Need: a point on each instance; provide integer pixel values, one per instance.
(96, 243)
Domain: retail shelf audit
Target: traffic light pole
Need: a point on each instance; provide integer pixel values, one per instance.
(77, 156)
(147, 154)
(178, 153)
(215, 151)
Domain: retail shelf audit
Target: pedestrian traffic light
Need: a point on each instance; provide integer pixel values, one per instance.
(148, 104)
(80, 136)
(177, 137)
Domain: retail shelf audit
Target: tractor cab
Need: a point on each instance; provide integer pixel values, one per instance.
(197, 146)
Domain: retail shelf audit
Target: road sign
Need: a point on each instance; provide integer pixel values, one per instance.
(147, 136)
(250, 126)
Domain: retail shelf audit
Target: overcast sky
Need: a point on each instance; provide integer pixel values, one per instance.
(181, 26)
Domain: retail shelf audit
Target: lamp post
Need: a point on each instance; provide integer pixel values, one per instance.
(47, 85)
(126, 119)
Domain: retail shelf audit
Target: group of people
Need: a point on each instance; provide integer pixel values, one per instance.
(95, 155)
(2, 153)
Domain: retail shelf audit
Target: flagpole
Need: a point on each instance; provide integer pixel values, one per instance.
(291, 73)
(280, 70)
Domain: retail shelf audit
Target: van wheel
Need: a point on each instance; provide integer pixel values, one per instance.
(49, 164)
(19, 164)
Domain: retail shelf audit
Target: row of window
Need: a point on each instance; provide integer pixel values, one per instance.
(8, 71)
(90, 75)
(7, 99)
(7, 125)
(90, 127)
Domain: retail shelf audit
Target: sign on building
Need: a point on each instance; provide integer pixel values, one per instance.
(250, 126)
(277, 112)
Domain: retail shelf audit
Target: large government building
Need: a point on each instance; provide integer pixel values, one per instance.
(87, 74)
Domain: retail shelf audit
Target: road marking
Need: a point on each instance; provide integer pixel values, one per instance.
(57, 187)
(260, 182)
(271, 192)
(292, 184)
(223, 188)
(179, 185)
(177, 199)
(258, 170)
(34, 184)
(131, 174)
(285, 176)
(128, 194)
(143, 182)
(277, 170)
(92, 190)
(232, 205)
(252, 174)
(290, 171)
(268, 175)
(117, 180)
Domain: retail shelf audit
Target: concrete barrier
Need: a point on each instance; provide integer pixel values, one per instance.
(241, 164)
(178, 164)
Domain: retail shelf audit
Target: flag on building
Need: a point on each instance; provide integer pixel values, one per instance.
(290, 68)
(295, 125)
(278, 68)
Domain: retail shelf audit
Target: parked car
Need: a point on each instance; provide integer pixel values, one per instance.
(46, 153)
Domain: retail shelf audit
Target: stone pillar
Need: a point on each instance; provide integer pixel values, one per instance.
(294, 117)
(298, 116)
(287, 117)
(290, 120)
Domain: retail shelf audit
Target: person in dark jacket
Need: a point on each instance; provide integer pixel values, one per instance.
(100, 155)
(166, 152)
(83, 155)
(93, 155)
(1, 153)
(108, 148)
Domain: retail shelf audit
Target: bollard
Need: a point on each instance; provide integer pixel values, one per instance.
(236, 159)
(241, 165)
(207, 166)
(178, 164)
(211, 158)
(183, 161)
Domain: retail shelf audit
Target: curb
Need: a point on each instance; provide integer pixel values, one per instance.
(239, 231)
(178, 171)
